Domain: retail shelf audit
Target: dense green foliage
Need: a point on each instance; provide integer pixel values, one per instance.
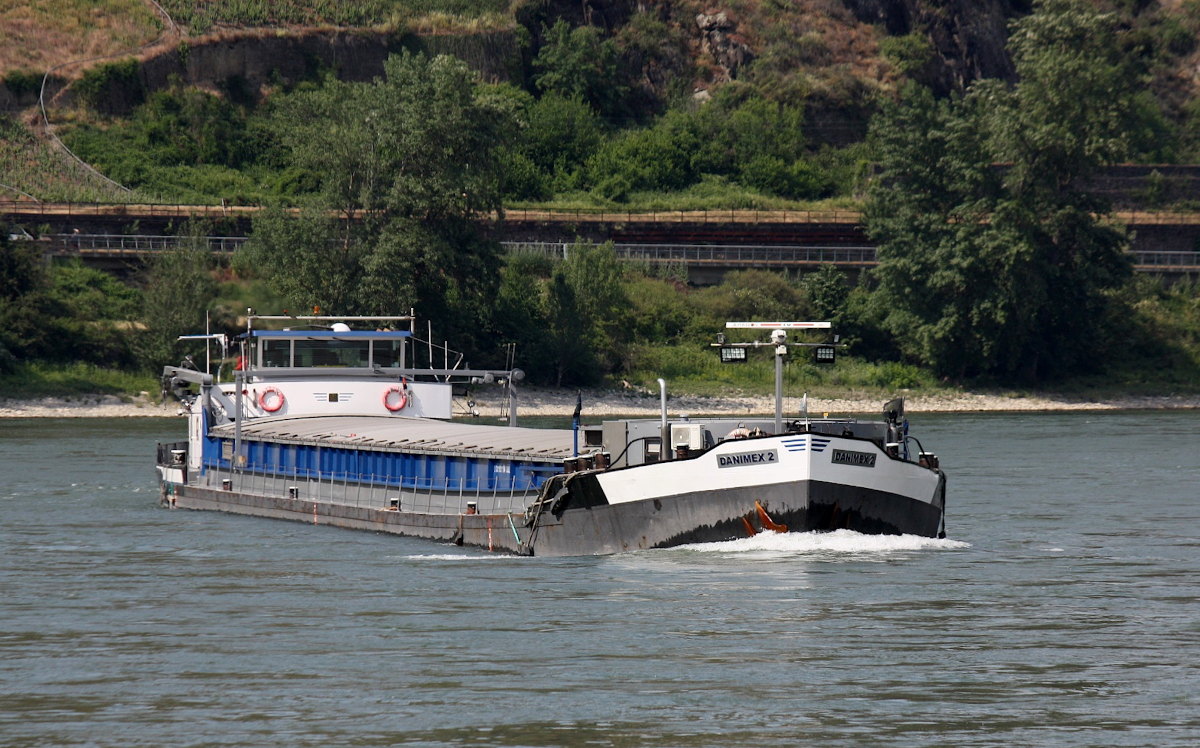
(997, 263)
(650, 140)
(111, 87)
(580, 64)
(405, 165)
(189, 145)
(63, 313)
(583, 320)
(179, 290)
(1008, 271)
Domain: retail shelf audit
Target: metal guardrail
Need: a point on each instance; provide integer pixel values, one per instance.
(571, 215)
(603, 215)
(1189, 261)
(579, 215)
(120, 245)
(719, 254)
(733, 254)
(130, 210)
(133, 245)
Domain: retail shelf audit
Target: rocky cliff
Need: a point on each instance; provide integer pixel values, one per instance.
(968, 36)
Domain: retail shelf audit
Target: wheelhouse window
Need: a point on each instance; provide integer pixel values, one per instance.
(276, 353)
(386, 353)
(332, 353)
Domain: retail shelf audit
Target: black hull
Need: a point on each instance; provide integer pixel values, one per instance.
(730, 514)
(595, 528)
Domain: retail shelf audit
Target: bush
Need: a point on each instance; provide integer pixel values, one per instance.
(800, 180)
(112, 88)
(909, 53)
(190, 127)
(892, 375)
(748, 295)
(580, 64)
(523, 179)
(22, 83)
(659, 158)
(659, 311)
(562, 134)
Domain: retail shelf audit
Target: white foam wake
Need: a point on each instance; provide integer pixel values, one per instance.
(838, 542)
(473, 554)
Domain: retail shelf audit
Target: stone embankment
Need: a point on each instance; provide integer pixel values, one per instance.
(603, 403)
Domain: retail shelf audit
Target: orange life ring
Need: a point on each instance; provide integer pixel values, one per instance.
(402, 391)
(274, 405)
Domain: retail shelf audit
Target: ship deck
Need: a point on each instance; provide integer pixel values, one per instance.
(408, 434)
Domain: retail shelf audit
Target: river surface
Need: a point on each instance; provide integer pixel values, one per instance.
(1064, 610)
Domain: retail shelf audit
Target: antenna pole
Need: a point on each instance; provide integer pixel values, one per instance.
(780, 352)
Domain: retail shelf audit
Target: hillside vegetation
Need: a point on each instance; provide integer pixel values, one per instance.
(37, 35)
(1003, 276)
(749, 105)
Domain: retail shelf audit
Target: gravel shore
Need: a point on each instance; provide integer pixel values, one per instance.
(561, 402)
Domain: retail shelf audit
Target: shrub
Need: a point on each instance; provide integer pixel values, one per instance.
(22, 83)
(112, 88)
(800, 180)
(563, 133)
(659, 158)
(579, 63)
(892, 375)
(909, 53)
(523, 179)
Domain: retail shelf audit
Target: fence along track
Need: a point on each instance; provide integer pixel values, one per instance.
(847, 218)
(729, 255)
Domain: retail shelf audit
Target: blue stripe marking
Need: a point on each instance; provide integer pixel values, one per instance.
(795, 445)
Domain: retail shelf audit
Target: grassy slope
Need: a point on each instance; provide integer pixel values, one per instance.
(200, 17)
(30, 381)
(812, 47)
(38, 34)
(32, 165)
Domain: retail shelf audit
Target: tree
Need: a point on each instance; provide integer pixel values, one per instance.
(89, 313)
(1007, 270)
(580, 63)
(406, 163)
(929, 211)
(827, 292)
(521, 313)
(179, 289)
(570, 341)
(23, 301)
(587, 309)
(561, 136)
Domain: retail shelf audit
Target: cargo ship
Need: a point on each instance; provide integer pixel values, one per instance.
(327, 424)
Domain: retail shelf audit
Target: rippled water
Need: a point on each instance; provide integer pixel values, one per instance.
(1062, 611)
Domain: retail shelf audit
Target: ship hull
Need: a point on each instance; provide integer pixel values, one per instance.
(733, 513)
(601, 528)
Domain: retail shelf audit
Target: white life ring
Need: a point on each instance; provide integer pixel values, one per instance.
(398, 404)
(274, 404)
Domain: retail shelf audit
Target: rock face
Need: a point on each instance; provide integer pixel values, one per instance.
(252, 59)
(720, 41)
(259, 58)
(968, 36)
